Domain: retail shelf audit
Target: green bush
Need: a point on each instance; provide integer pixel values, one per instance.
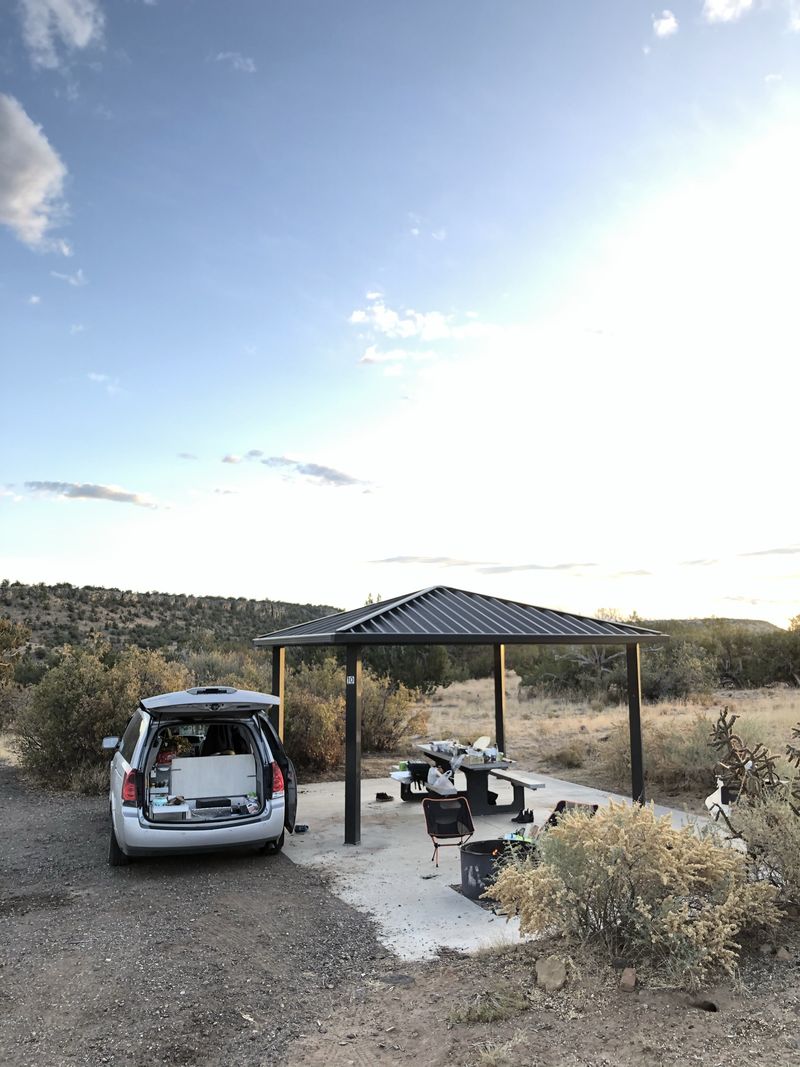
(80, 701)
(388, 714)
(629, 883)
(314, 715)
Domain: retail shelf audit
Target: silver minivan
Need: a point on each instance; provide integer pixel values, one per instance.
(197, 771)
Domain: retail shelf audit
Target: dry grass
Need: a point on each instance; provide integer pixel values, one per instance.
(500, 1054)
(567, 738)
(490, 1006)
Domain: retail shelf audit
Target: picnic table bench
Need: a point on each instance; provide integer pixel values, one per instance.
(477, 776)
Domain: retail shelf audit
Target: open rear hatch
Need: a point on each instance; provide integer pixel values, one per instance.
(201, 770)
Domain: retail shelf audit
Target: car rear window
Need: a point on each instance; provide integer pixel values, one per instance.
(127, 745)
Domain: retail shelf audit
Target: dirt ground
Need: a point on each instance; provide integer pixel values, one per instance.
(219, 959)
(237, 959)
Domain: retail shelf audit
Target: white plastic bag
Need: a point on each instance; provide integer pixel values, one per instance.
(441, 783)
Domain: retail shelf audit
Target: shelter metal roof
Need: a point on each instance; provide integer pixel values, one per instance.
(443, 615)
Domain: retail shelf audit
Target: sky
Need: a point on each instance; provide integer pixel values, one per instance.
(318, 301)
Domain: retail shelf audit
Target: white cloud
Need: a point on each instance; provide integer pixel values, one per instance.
(34, 298)
(91, 491)
(31, 177)
(237, 61)
(231, 458)
(52, 26)
(376, 294)
(394, 355)
(77, 279)
(725, 10)
(427, 326)
(111, 385)
(771, 79)
(76, 327)
(665, 25)
(440, 234)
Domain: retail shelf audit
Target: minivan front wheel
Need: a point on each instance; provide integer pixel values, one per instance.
(116, 857)
(271, 847)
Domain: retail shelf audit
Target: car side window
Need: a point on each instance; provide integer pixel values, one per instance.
(127, 745)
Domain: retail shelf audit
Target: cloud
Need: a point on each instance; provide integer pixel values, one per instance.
(666, 25)
(77, 279)
(225, 492)
(771, 79)
(725, 10)
(437, 561)
(393, 355)
(34, 298)
(427, 325)
(77, 327)
(89, 491)
(31, 178)
(253, 453)
(514, 568)
(440, 234)
(788, 550)
(112, 385)
(186, 455)
(699, 562)
(237, 61)
(315, 472)
(52, 26)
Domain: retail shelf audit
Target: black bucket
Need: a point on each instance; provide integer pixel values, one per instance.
(479, 861)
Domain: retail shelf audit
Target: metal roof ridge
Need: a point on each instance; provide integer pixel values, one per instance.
(384, 606)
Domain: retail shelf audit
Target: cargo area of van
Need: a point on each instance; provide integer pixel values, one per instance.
(201, 772)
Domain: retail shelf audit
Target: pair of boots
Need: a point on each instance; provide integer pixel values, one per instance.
(526, 815)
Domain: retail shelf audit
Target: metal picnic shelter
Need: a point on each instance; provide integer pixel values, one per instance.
(442, 615)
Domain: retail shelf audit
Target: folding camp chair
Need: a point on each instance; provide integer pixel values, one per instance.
(447, 817)
(567, 805)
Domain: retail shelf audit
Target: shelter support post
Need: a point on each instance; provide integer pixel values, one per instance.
(500, 696)
(352, 736)
(635, 721)
(277, 713)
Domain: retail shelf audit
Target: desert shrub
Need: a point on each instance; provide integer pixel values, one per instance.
(388, 714)
(314, 715)
(215, 666)
(628, 882)
(675, 758)
(770, 827)
(570, 755)
(79, 701)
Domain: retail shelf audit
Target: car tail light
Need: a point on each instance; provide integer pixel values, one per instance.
(129, 792)
(278, 784)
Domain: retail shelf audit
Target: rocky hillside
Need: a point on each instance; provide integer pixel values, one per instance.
(67, 614)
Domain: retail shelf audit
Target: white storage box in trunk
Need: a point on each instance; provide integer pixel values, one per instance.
(197, 777)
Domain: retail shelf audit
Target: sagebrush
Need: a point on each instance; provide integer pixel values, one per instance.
(629, 882)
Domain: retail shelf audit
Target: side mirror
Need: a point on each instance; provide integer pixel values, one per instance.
(110, 743)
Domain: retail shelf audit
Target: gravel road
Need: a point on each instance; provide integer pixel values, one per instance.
(198, 960)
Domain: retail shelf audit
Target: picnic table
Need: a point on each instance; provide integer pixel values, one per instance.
(478, 793)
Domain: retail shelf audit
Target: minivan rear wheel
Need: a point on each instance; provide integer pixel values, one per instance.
(271, 847)
(116, 857)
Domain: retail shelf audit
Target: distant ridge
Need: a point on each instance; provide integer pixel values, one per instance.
(685, 627)
(66, 614)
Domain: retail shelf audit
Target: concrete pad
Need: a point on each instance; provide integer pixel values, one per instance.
(390, 876)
